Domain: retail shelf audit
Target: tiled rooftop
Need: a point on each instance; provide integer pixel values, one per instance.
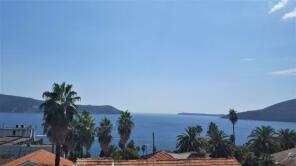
(40, 157)
(161, 155)
(286, 157)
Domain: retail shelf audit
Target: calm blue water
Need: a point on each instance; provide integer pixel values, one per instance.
(165, 126)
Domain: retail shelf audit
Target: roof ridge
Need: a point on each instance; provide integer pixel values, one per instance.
(38, 156)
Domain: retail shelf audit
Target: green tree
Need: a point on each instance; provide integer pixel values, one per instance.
(233, 119)
(266, 160)
(104, 132)
(86, 129)
(263, 140)
(213, 128)
(71, 138)
(287, 138)
(59, 108)
(144, 148)
(250, 159)
(219, 144)
(190, 141)
(125, 126)
(112, 149)
(117, 154)
(129, 152)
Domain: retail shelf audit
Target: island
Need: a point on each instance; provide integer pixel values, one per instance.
(200, 114)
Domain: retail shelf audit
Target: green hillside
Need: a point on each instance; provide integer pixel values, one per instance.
(283, 111)
(18, 104)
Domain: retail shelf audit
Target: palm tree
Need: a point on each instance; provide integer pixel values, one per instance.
(249, 159)
(263, 140)
(190, 141)
(86, 127)
(219, 144)
(104, 136)
(59, 109)
(266, 160)
(233, 119)
(212, 128)
(71, 138)
(125, 126)
(143, 148)
(287, 138)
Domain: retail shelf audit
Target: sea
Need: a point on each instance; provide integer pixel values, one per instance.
(166, 127)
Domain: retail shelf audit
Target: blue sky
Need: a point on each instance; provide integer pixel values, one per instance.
(152, 56)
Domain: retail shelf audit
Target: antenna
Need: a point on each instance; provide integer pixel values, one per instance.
(153, 143)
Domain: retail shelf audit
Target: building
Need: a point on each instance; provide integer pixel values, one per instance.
(20, 140)
(19, 134)
(15, 151)
(161, 158)
(39, 158)
(285, 158)
(163, 155)
(18, 131)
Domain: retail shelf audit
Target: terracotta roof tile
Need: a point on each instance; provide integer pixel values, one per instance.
(41, 157)
(161, 155)
(171, 162)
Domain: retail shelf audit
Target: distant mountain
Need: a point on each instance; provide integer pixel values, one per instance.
(18, 104)
(283, 111)
(200, 114)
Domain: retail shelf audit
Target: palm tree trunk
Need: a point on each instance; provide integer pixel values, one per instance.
(233, 134)
(81, 151)
(105, 150)
(57, 157)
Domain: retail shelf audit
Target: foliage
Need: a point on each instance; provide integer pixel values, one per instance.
(117, 155)
(86, 126)
(190, 141)
(130, 152)
(219, 144)
(76, 131)
(71, 139)
(59, 110)
(213, 128)
(144, 149)
(249, 159)
(125, 126)
(263, 140)
(265, 160)
(104, 132)
(233, 116)
(80, 136)
(112, 148)
(287, 138)
(238, 152)
(233, 119)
